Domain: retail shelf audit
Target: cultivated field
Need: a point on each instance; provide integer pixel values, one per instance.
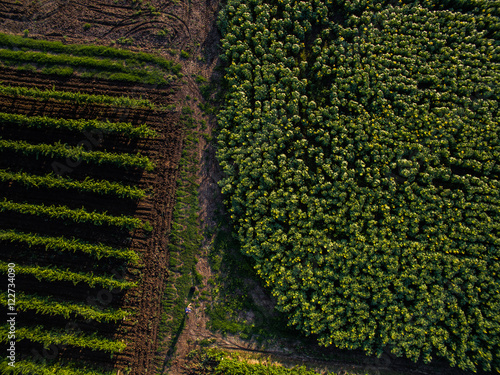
(88, 170)
(360, 145)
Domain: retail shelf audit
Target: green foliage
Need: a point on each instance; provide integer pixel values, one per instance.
(57, 274)
(77, 97)
(116, 69)
(63, 244)
(49, 306)
(217, 362)
(223, 320)
(126, 41)
(362, 169)
(200, 79)
(87, 60)
(229, 366)
(63, 337)
(61, 150)
(79, 215)
(41, 122)
(42, 368)
(89, 185)
(163, 33)
(12, 41)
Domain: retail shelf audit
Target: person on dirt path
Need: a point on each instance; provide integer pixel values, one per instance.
(188, 309)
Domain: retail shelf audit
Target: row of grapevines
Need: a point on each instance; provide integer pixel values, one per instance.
(75, 97)
(59, 274)
(74, 245)
(49, 306)
(107, 65)
(42, 122)
(61, 150)
(47, 337)
(79, 215)
(50, 181)
(26, 366)
(14, 41)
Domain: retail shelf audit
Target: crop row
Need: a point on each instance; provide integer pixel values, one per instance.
(58, 337)
(133, 58)
(49, 306)
(89, 185)
(79, 215)
(42, 122)
(75, 97)
(65, 244)
(105, 65)
(50, 274)
(61, 150)
(26, 366)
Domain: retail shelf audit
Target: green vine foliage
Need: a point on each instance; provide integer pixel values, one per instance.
(74, 97)
(63, 337)
(79, 215)
(79, 125)
(51, 57)
(51, 274)
(51, 307)
(62, 150)
(51, 181)
(360, 147)
(65, 244)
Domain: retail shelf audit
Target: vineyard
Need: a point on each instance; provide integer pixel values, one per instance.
(360, 145)
(88, 164)
(85, 60)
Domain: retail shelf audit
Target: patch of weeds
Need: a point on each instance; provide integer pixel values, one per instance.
(185, 238)
(233, 309)
(200, 79)
(125, 41)
(206, 108)
(153, 10)
(186, 110)
(185, 54)
(163, 32)
(87, 26)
